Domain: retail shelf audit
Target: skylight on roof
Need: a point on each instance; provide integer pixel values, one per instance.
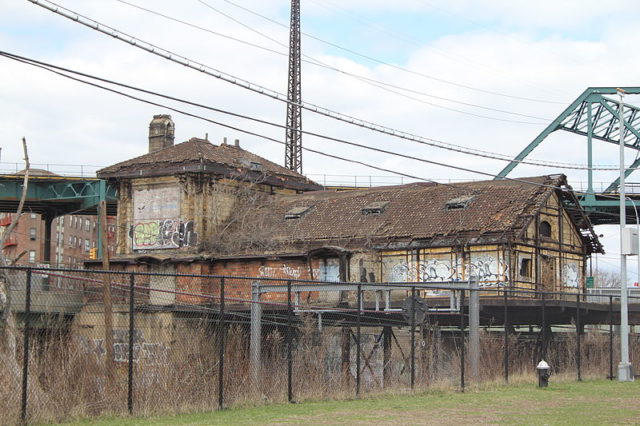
(376, 207)
(297, 212)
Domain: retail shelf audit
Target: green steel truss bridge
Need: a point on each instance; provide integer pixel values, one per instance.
(53, 196)
(598, 118)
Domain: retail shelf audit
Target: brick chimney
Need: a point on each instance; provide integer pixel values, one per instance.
(161, 132)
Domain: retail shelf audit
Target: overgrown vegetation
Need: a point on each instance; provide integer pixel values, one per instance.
(68, 376)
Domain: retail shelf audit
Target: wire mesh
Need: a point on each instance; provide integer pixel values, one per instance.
(179, 343)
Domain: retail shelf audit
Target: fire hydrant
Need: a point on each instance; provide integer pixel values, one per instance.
(543, 374)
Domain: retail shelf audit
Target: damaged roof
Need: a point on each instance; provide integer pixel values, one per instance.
(199, 155)
(419, 214)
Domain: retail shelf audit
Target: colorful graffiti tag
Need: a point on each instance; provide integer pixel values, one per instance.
(156, 220)
(489, 269)
(164, 234)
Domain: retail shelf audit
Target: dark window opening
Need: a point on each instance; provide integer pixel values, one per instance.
(545, 229)
(459, 203)
(525, 267)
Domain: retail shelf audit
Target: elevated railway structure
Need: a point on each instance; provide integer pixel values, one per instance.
(597, 117)
(51, 196)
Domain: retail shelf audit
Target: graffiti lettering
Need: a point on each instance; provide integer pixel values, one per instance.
(285, 271)
(490, 270)
(163, 234)
(152, 353)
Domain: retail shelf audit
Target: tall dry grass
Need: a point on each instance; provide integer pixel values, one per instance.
(68, 376)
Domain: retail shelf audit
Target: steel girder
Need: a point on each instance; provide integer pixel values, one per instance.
(596, 117)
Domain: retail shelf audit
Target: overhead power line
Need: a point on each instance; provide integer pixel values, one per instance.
(163, 53)
(218, 123)
(457, 187)
(370, 81)
(407, 70)
(52, 67)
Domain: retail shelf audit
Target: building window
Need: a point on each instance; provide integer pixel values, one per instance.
(32, 234)
(525, 267)
(330, 269)
(93, 243)
(86, 246)
(32, 256)
(75, 242)
(87, 225)
(545, 229)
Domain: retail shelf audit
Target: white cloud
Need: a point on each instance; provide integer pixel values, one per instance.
(70, 123)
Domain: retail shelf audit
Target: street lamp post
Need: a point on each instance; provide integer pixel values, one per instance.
(635, 209)
(624, 368)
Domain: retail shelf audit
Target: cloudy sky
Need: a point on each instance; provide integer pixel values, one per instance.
(487, 75)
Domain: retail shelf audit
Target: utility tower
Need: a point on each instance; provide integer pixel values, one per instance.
(293, 149)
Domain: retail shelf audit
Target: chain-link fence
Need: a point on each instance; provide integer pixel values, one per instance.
(82, 343)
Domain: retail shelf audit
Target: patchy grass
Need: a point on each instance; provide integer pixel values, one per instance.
(590, 402)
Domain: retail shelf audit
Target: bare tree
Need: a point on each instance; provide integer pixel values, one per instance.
(8, 281)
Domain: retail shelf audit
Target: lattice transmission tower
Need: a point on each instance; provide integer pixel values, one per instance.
(293, 148)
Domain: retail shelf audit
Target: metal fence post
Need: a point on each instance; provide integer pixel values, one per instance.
(256, 333)
(543, 349)
(289, 344)
(610, 337)
(221, 348)
(25, 358)
(413, 336)
(358, 338)
(132, 283)
(462, 354)
(474, 327)
(578, 351)
(506, 338)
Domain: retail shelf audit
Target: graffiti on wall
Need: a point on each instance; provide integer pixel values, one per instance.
(284, 271)
(151, 353)
(489, 269)
(571, 275)
(162, 234)
(156, 220)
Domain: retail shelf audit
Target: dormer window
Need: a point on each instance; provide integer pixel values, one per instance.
(376, 207)
(297, 212)
(459, 203)
(254, 166)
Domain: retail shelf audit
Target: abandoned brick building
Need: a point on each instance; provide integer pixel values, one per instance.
(201, 208)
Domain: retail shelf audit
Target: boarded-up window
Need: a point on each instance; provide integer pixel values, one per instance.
(164, 285)
(330, 269)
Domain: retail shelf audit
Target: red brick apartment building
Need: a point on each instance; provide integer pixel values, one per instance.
(72, 238)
